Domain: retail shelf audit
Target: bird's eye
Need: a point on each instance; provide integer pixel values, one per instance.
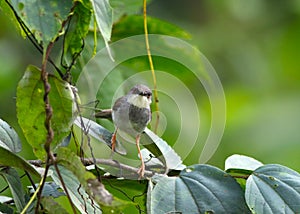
(146, 94)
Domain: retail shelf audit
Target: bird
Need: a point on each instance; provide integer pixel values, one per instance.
(131, 114)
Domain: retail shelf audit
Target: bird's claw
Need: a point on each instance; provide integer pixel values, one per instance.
(141, 171)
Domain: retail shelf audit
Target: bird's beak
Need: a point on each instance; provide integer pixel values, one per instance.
(149, 98)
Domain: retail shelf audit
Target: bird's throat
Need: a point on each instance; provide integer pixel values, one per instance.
(139, 101)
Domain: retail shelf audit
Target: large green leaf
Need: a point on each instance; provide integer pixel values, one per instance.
(31, 109)
(133, 25)
(9, 139)
(273, 189)
(198, 189)
(8, 158)
(43, 18)
(12, 178)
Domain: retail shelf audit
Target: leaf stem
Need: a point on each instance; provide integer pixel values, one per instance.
(34, 195)
(151, 65)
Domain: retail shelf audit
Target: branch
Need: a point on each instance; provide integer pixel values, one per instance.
(107, 162)
(47, 124)
(116, 164)
(50, 134)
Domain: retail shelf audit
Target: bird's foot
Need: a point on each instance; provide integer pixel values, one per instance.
(141, 171)
(113, 143)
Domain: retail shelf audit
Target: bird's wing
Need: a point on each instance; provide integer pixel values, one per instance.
(118, 103)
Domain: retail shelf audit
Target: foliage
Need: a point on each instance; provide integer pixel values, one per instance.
(48, 107)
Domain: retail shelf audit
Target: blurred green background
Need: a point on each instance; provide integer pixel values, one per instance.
(254, 47)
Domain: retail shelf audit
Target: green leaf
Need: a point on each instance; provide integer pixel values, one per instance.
(77, 29)
(198, 189)
(129, 190)
(43, 18)
(71, 161)
(51, 206)
(88, 195)
(9, 139)
(103, 14)
(80, 198)
(31, 109)
(49, 189)
(125, 7)
(8, 12)
(134, 25)
(16, 161)
(4, 208)
(242, 162)
(12, 178)
(85, 179)
(273, 189)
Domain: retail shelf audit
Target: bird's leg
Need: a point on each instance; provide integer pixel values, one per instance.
(141, 170)
(113, 140)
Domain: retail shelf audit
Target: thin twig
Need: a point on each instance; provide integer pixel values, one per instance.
(151, 65)
(31, 180)
(48, 107)
(108, 162)
(64, 187)
(113, 163)
(47, 123)
(75, 55)
(85, 133)
(36, 193)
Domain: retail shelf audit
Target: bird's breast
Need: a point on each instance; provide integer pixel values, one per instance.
(139, 117)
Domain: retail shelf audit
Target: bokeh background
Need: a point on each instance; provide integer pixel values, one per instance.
(254, 47)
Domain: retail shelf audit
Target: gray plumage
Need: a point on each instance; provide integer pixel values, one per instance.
(131, 113)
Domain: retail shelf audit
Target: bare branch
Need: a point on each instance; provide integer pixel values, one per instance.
(107, 162)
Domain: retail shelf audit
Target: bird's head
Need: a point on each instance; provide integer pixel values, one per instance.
(140, 96)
